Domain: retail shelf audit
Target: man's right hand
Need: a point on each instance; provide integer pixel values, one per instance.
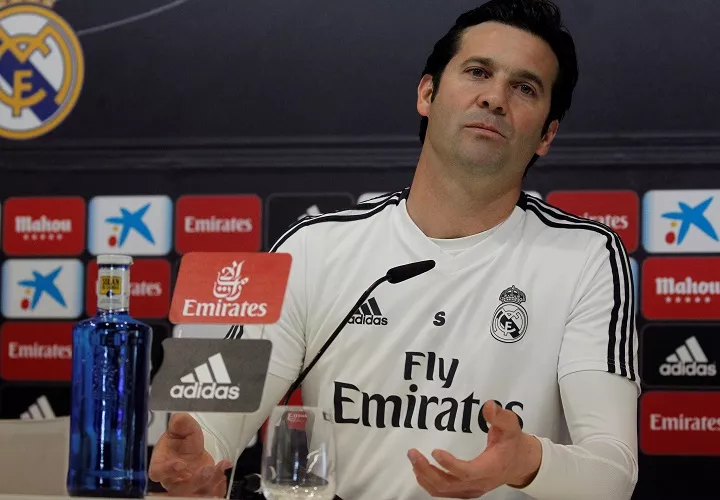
(180, 463)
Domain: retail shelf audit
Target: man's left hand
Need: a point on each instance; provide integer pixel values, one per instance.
(511, 457)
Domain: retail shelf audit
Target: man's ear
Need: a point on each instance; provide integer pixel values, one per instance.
(424, 95)
(547, 139)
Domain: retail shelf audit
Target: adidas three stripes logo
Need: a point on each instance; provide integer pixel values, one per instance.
(688, 360)
(369, 313)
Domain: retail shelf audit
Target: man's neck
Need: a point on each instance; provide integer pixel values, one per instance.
(445, 203)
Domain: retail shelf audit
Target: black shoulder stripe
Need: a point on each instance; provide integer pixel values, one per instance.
(341, 216)
(522, 201)
(619, 263)
(628, 278)
(234, 332)
(373, 202)
(366, 209)
(625, 347)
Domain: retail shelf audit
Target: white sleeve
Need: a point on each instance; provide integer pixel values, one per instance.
(225, 432)
(288, 333)
(601, 464)
(600, 331)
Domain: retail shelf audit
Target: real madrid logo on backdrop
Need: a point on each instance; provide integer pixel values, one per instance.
(41, 68)
(510, 319)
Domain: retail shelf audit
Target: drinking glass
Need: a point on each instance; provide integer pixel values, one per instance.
(298, 458)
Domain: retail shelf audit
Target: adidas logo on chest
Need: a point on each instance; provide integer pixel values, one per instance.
(368, 313)
(209, 380)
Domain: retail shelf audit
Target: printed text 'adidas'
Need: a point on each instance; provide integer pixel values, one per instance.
(689, 360)
(200, 383)
(368, 314)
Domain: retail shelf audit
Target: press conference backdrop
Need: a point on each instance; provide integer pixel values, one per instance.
(198, 125)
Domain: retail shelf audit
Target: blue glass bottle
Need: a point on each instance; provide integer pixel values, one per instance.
(110, 387)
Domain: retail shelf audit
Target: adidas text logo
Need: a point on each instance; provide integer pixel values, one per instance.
(689, 360)
(202, 383)
(368, 314)
(39, 410)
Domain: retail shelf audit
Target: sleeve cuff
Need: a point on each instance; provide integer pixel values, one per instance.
(539, 483)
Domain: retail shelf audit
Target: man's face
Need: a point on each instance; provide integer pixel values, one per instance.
(501, 79)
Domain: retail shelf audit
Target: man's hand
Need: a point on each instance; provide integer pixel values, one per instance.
(511, 457)
(182, 466)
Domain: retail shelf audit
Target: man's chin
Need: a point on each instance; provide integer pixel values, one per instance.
(484, 166)
(486, 158)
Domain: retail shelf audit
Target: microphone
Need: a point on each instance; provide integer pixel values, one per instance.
(393, 276)
(407, 271)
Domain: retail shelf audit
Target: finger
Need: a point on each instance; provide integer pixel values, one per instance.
(214, 489)
(181, 425)
(219, 489)
(500, 418)
(461, 469)
(196, 482)
(441, 481)
(224, 464)
(164, 469)
(457, 493)
(424, 484)
(468, 489)
(217, 477)
(487, 468)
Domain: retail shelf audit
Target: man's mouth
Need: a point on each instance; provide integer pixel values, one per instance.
(486, 127)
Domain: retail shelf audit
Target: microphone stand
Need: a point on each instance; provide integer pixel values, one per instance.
(332, 337)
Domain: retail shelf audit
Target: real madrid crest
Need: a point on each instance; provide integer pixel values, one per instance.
(510, 319)
(41, 68)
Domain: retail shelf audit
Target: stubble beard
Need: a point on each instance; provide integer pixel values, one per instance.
(468, 157)
(480, 160)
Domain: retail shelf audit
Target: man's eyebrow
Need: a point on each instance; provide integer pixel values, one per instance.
(524, 74)
(485, 61)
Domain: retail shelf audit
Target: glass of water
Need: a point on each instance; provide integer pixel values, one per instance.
(299, 454)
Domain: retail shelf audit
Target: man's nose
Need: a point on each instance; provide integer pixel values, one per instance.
(494, 98)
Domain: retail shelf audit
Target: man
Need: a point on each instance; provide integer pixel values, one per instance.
(511, 364)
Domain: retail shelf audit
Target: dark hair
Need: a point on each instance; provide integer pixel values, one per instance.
(539, 17)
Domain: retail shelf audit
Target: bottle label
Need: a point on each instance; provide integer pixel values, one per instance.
(113, 291)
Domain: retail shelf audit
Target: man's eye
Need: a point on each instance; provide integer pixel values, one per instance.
(479, 72)
(527, 89)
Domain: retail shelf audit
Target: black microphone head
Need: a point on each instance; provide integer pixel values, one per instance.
(407, 271)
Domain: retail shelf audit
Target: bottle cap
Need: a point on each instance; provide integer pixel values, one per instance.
(117, 260)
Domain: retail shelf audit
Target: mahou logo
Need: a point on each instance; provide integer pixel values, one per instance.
(227, 287)
(681, 288)
(618, 210)
(44, 226)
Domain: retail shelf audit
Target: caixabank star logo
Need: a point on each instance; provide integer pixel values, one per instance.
(41, 69)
